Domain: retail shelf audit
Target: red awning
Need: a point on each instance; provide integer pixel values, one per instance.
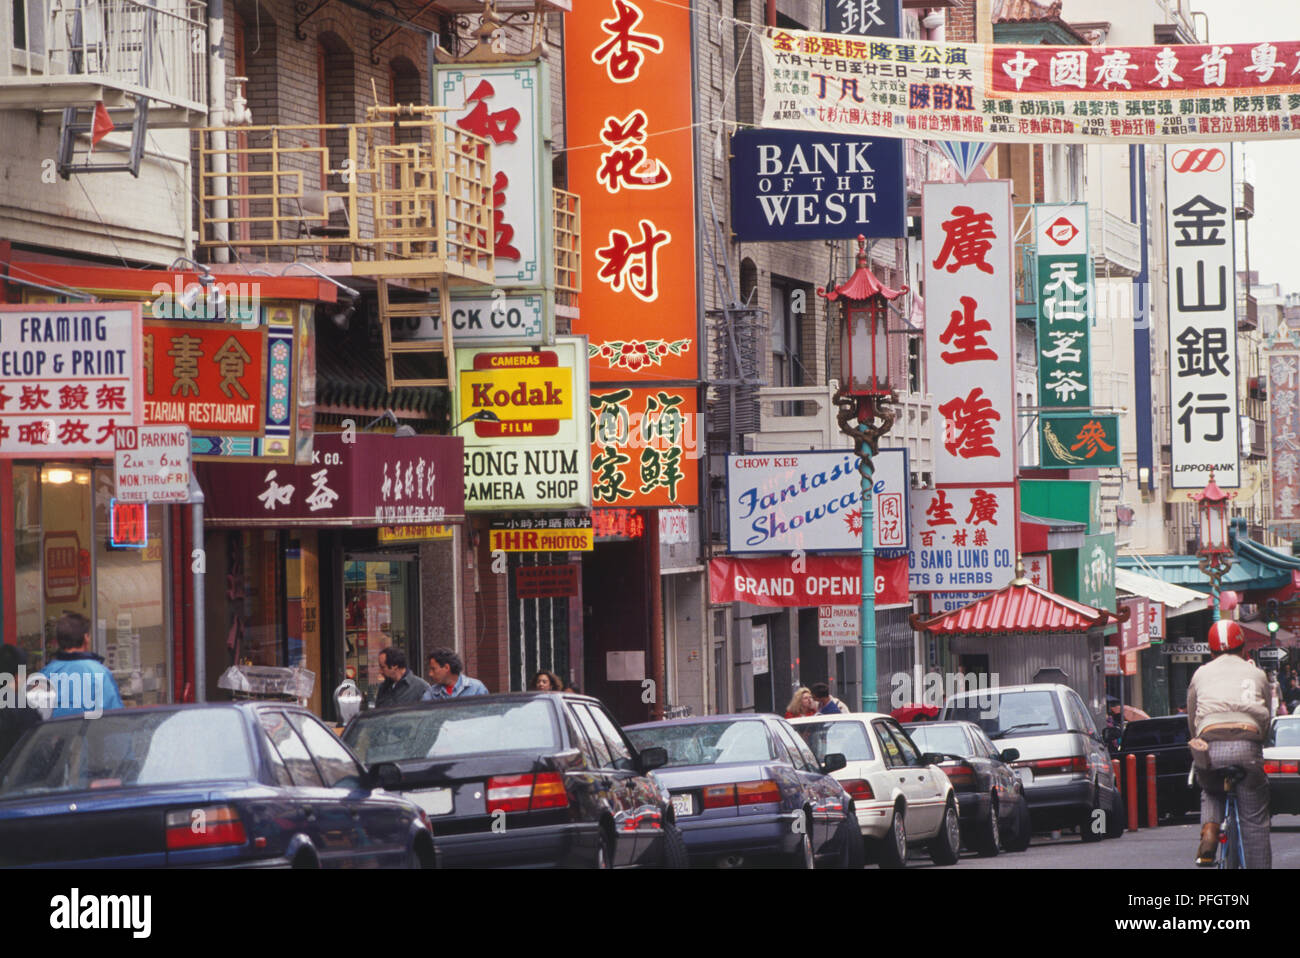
(1019, 607)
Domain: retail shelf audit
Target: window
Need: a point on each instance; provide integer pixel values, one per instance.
(827, 738)
(618, 747)
(949, 739)
(708, 743)
(910, 753)
(802, 755)
(279, 771)
(1081, 715)
(578, 739)
(892, 754)
(789, 309)
(291, 748)
(914, 364)
(337, 767)
(593, 735)
(467, 727)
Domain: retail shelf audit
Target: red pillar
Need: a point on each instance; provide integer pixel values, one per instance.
(1153, 819)
(1132, 793)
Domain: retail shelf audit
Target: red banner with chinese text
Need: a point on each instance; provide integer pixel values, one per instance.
(208, 376)
(645, 446)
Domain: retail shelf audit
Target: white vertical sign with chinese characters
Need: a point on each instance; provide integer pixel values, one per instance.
(1202, 316)
(970, 329)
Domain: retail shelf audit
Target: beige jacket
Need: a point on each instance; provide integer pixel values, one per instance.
(1229, 689)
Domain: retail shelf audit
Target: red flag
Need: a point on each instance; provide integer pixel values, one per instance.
(102, 124)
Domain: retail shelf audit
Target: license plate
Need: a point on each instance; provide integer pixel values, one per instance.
(434, 801)
(683, 805)
(1026, 775)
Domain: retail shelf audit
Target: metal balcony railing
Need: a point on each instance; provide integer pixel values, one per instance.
(566, 213)
(417, 208)
(156, 50)
(1116, 243)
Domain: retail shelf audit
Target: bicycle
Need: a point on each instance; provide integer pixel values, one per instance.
(1231, 853)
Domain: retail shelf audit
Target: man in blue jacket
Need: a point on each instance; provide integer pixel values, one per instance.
(82, 684)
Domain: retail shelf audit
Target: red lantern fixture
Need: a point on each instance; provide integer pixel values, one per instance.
(1212, 508)
(864, 330)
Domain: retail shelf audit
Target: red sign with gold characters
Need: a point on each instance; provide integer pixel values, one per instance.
(645, 447)
(631, 95)
(207, 376)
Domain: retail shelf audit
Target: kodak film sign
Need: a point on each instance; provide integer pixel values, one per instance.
(529, 392)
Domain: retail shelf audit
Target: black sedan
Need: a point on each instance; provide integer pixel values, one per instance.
(1165, 737)
(994, 813)
(525, 779)
(254, 784)
(746, 787)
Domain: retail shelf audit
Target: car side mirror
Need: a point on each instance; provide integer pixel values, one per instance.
(652, 757)
(1009, 755)
(833, 762)
(385, 775)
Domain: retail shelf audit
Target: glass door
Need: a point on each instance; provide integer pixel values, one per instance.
(380, 608)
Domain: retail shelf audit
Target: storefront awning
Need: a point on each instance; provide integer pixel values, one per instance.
(1176, 599)
(1019, 607)
(1255, 567)
(1044, 535)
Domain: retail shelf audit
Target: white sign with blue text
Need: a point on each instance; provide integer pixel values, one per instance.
(782, 501)
(962, 539)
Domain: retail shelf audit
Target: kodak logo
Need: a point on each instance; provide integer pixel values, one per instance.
(484, 397)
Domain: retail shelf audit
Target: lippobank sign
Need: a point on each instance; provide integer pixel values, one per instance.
(536, 455)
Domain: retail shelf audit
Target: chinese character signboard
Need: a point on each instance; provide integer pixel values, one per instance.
(1038, 570)
(645, 447)
(628, 88)
(558, 581)
(542, 534)
(777, 502)
(773, 581)
(1283, 369)
(537, 455)
(1202, 317)
(1009, 93)
(1096, 582)
(970, 348)
(1065, 309)
(875, 18)
(69, 376)
(788, 186)
(1134, 635)
(1079, 441)
(962, 538)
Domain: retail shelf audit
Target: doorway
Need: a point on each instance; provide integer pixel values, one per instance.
(380, 608)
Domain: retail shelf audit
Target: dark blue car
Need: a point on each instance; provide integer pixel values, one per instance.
(237, 784)
(746, 788)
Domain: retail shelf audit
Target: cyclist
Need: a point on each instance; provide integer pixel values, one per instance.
(1228, 711)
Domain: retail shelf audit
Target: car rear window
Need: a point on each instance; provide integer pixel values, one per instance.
(1154, 734)
(707, 743)
(1035, 712)
(472, 728)
(1287, 734)
(122, 749)
(945, 738)
(847, 738)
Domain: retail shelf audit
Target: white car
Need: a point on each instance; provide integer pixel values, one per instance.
(900, 800)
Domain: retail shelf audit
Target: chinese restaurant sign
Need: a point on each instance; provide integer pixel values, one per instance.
(645, 446)
(970, 351)
(962, 539)
(542, 534)
(538, 454)
(1065, 309)
(69, 376)
(376, 480)
(821, 580)
(1202, 317)
(778, 502)
(1079, 441)
(1283, 371)
(875, 18)
(957, 91)
(628, 89)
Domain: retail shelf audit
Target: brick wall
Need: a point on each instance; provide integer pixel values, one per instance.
(960, 26)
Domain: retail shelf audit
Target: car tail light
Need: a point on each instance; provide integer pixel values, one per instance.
(757, 793)
(1283, 768)
(204, 827)
(859, 788)
(960, 774)
(719, 796)
(520, 793)
(1050, 766)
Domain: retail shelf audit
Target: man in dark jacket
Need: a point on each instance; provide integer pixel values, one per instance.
(401, 686)
(14, 720)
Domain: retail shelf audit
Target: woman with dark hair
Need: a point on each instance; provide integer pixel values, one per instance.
(14, 721)
(545, 681)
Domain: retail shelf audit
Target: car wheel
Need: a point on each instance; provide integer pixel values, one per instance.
(1023, 831)
(852, 852)
(990, 838)
(1115, 824)
(893, 847)
(945, 848)
(1088, 824)
(674, 847)
(804, 858)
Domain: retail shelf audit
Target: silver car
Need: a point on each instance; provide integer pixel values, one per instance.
(1064, 767)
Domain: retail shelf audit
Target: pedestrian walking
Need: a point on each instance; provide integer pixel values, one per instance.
(827, 704)
(81, 683)
(801, 703)
(401, 686)
(447, 678)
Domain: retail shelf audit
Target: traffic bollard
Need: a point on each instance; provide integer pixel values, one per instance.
(1132, 793)
(1153, 818)
(1119, 776)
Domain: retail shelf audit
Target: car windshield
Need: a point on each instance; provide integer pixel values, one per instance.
(1008, 713)
(708, 743)
(1287, 733)
(471, 728)
(943, 738)
(827, 738)
(1150, 734)
(124, 749)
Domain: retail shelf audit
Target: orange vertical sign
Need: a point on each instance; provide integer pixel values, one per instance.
(627, 73)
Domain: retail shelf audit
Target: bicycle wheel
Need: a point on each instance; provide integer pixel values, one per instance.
(1230, 853)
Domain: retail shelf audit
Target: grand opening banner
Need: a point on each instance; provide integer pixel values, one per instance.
(959, 91)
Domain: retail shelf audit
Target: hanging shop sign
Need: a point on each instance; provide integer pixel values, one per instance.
(1063, 286)
(970, 346)
(1110, 656)
(1078, 441)
(1200, 230)
(538, 454)
(373, 480)
(777, 502)
(1017, 94)
(962, 538)
(69, 376)
(618, 525)
(414, 533)
(789, 185)
(543, 534)
(627, 93)
(1283, 370)
(504, 318)
(558, 581)
(1095, 585)
(1038, 570)
(874, 18)
(1135, 635)
(645, 446)
(759, 661)
(152, 463)
(820, 579)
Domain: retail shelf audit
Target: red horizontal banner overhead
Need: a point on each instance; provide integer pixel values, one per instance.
(785, 582)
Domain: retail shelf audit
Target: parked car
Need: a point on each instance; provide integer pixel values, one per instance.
(525, 778)
(1166, 738)
(746, 787)
(990, 799)
(256, 784)
(1282, 765)
(1063, 764)
(900, 795)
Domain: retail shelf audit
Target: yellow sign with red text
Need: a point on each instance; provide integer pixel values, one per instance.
(528, 393)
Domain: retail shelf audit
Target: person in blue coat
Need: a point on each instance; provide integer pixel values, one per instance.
(82, 684)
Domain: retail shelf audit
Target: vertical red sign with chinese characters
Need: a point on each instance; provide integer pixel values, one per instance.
(628, 89)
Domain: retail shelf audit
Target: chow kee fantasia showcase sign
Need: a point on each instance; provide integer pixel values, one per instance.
(958, 91)
(783, 582)
(777, 502)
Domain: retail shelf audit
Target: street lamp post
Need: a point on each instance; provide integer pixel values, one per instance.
(864, 390)
(1215, 550)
